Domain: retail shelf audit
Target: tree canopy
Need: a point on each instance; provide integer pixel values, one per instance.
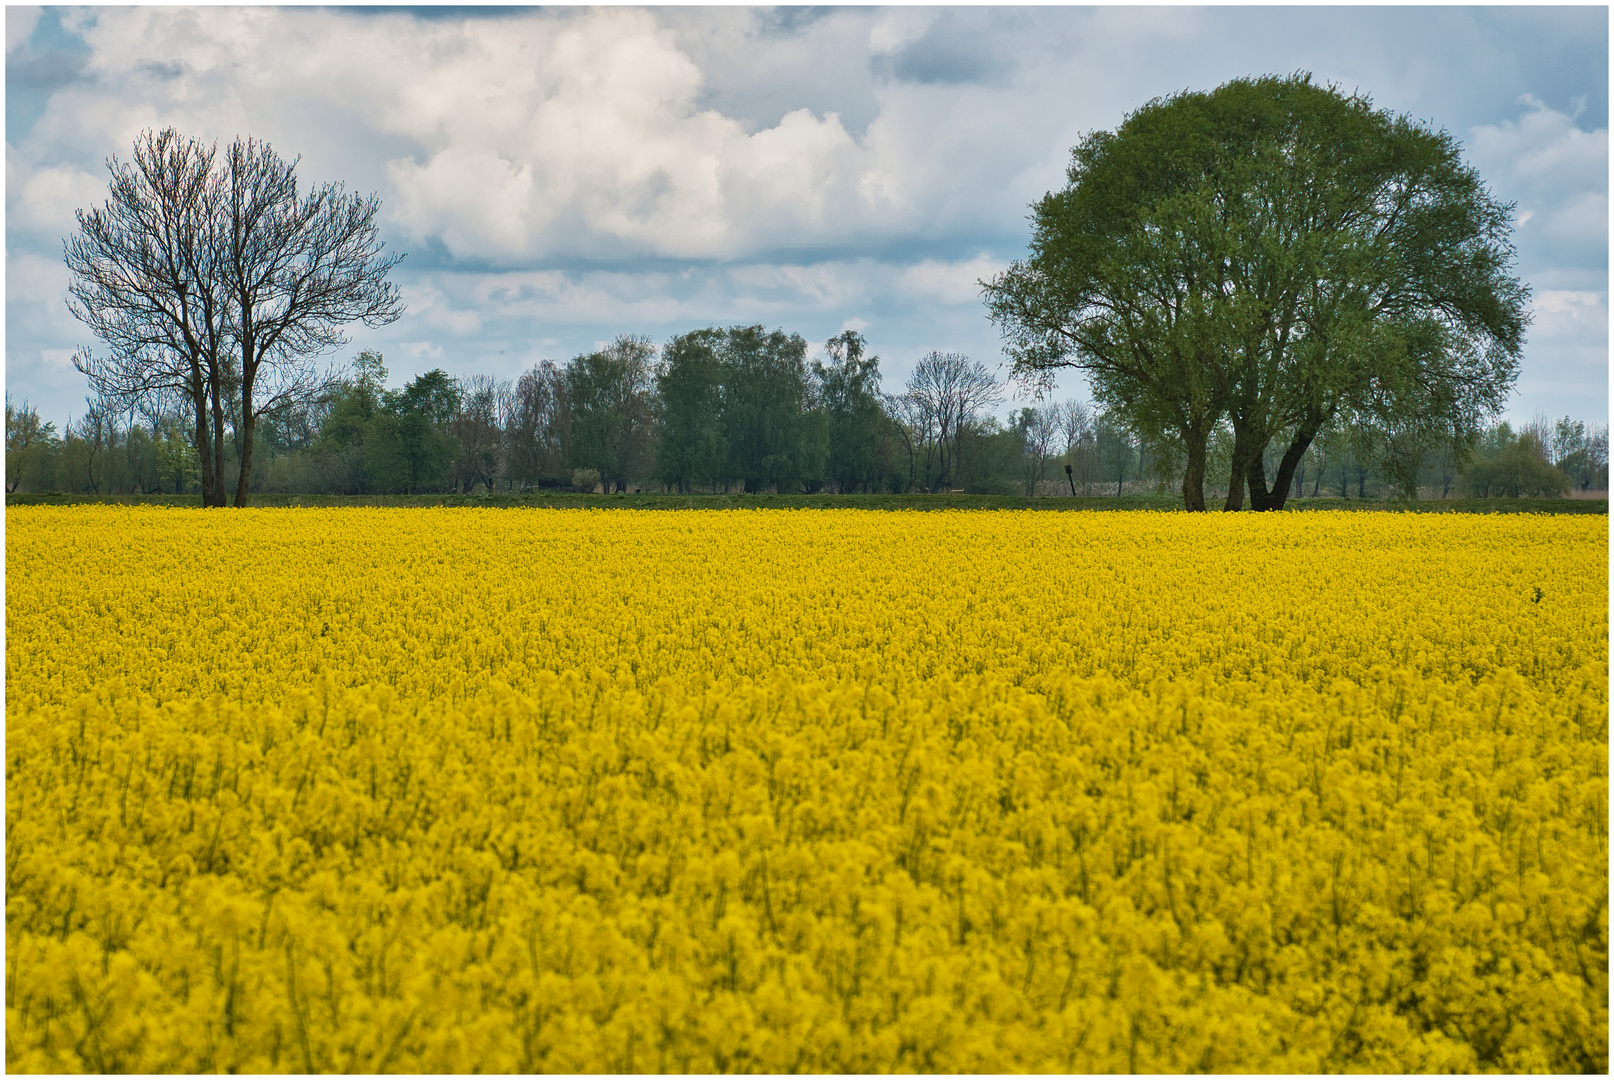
(737, 406)
(1273, 255)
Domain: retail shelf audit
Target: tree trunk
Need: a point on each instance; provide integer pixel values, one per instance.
(1256, 476)
(1240, 469)
(204, 449)
(1286, 468)
(219, 498)
(1193, 480)
(249, 425)
(249, 422)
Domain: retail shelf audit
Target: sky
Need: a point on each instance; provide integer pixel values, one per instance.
(560, 176)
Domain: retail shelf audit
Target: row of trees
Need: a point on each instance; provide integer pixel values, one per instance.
(737, 408)
(1256, 281)
(745, 409)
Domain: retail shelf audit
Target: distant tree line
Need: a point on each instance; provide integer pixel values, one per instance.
(742, 409)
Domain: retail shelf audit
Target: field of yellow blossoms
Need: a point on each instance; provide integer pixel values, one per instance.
(494, 790)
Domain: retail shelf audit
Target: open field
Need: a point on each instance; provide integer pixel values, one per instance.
(383, 790)
(657, 501)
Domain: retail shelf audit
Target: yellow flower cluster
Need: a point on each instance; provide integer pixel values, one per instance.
(485, 791)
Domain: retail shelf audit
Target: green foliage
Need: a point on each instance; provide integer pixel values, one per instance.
(849, 391)
(1117, 453)
(736, 407)
(31, 448)
(911, 501)
(1513, 466)
(374, 440)
(537, 437)
(1269, 253)
(765, 404)
(609, 395)
(367, 441)
(424, 452)
(693, 448)
(990, 458)
(434, 396)
(179, 464)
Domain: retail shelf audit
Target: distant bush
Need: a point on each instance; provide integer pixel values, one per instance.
(1515, 467)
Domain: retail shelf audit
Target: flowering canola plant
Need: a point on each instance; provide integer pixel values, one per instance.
(497, 790)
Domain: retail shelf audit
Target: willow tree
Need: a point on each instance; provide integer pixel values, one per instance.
(1270, 255)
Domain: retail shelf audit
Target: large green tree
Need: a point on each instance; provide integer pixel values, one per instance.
(421, 412)
(689, 393)
(775, 439)
(849, 392)
(736, 406)
(1270, 255)
(609, 393)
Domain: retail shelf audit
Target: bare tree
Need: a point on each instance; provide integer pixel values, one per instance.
(97, 432)
(478, 427)
(950, 389)
(538, 433)
(1040, 431)
(218, 279)
(1075, 421)
(297, 268)
(1540, 429)
(146, 282)
(1078, 433)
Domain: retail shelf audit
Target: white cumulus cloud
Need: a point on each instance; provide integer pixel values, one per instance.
(1557, 174)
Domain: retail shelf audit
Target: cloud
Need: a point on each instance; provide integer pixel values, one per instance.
(563, 175)
(423, 352)
(955, 47)
(36, 297)
(1545, 148)
(524, 137)
(46, 201)
(757, 64)
(585, 134)
(1578, 224)
(20, 23)
(1569, 316)
(1557, 173)
(429, 306)
(950, 283)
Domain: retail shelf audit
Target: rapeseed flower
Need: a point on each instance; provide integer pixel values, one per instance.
(489, 791)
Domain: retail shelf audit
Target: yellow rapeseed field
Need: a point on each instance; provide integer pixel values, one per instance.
(497, 790)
